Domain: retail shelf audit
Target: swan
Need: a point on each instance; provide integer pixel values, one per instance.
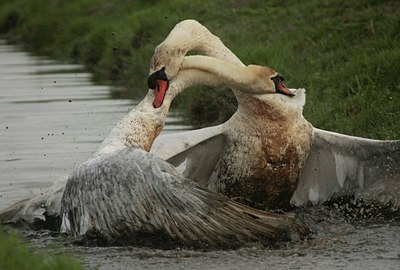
(267, 155)
(125, 194)
(257, 155)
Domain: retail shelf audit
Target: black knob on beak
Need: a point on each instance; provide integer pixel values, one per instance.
(158, 75)
(278, 78)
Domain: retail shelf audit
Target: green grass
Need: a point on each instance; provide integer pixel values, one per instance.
(345, 53)
(15, 254)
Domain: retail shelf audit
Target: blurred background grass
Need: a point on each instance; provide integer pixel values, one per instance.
(345, 53)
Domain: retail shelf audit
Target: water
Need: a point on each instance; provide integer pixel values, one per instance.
(52, 118)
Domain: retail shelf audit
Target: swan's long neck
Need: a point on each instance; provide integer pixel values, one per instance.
(143, 124)
(191, 35)
(201, 39)
(138, 128)
(207, 43)
(186, 36)
(250, 79)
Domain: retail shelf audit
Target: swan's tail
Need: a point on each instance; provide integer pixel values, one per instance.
(245, 224)
(37, 208)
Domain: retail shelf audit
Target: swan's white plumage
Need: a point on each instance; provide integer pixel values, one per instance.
(170, 145)
(341, 165)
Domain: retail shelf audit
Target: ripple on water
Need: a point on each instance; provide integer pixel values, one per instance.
(336, 244)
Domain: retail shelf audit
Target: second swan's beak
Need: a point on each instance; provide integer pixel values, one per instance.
(158, 81)
(280, 87)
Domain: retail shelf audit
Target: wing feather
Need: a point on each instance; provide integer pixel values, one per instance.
(341, 165)
(143, 195)
(194, 153)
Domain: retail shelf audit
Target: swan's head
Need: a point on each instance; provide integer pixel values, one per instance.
(280, 87)
(267, 80)
(158, 81)
(252, 79)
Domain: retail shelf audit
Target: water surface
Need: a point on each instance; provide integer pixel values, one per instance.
(52, 118)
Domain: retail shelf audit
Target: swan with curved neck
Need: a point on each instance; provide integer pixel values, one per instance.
(123, 191)
(141, 126)
(263, 79)
(265, 143)
(267, 155)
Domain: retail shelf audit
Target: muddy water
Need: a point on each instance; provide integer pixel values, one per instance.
(52, 118)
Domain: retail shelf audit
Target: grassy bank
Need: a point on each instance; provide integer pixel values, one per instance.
(345, 53)
(14, 254)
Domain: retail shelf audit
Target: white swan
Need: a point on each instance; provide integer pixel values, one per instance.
(257, 155)
(267, 154)
(124, 194)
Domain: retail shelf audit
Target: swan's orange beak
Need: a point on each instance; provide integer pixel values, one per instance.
(159, 93)
(280, 87)
(158, 81)
(284, 90)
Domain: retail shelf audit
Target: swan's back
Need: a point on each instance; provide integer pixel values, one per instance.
(131, 196)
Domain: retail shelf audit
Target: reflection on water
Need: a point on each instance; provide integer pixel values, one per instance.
(52, 118)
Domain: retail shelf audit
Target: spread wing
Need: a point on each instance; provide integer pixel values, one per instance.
(131, 193)
(39, 206)
(194, 153)
(344, 165)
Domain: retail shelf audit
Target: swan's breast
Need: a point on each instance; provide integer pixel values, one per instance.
(261, 167)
